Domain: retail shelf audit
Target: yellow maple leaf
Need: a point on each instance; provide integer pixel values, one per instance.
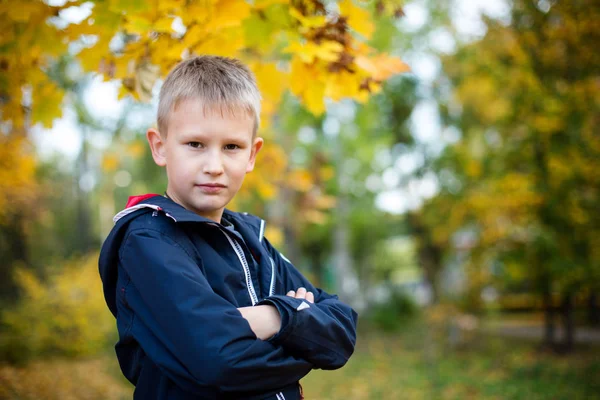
(138, 23)
(224, 43)
(313, 99)
(301, 180)
(163, 24)
(122, 67)
(146, 75)
(228, 13)
(342, 84)
(262, 4)
(25, 11)
(127, 6)
(47, 101)
(90, 58)
(315, 21)
(381, 66)
(301, 73)
(7, 36)
(358, 18)
(327, 50)
(306, 83)
(271, 82)
(164, 6)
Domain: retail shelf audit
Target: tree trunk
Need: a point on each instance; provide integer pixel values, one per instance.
(317, 267)
(13, 247)
(84, 240)
(428, 253)
(345, 276)
(568, 322)
(549, 331)
(593, 309)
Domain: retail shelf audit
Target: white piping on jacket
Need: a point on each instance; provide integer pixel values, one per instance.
(262, 231)
(240, 253)
(272, 286)
(280, 396)
(131, 209)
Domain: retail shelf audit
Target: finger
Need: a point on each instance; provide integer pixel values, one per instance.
(291, 293)
(301, 293)
(310, 297)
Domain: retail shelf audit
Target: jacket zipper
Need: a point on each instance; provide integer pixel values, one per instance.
(272, 286)
(240, 253)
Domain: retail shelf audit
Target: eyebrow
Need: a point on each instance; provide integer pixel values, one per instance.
(195, 136)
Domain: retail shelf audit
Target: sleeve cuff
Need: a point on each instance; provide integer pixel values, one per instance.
(287, 307)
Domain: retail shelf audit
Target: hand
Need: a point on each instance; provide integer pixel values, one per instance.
(301, 293)
(264, 320)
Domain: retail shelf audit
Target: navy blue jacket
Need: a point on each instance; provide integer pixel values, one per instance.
(174, 280)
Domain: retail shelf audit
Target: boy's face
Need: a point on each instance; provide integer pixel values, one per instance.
(207, 155)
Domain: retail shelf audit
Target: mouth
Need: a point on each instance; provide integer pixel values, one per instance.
(211, 188)
(212, 185)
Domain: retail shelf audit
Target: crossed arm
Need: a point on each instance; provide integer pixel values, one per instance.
(265, 320)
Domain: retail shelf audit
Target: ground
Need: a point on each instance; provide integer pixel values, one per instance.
(424, 360)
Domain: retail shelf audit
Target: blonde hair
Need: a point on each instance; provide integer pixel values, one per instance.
(221, 83)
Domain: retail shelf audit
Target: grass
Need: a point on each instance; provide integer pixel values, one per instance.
(416, 363)
(420, 364)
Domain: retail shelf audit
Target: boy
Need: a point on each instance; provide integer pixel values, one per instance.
(206, 308)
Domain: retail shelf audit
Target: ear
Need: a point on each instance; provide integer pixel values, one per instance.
(157, 146)
(256, 146)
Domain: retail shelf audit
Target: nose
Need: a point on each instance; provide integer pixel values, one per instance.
(213, 164)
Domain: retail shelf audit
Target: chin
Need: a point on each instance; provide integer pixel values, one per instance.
(208, 209)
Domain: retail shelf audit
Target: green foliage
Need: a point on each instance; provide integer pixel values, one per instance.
(522, 178)
(395, 314)
(63, 314)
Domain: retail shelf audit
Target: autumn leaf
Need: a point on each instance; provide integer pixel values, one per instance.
(382, 66)
(316, 21)
(308, 52)
(358, 18)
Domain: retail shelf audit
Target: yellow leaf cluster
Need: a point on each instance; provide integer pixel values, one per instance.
(268, 176)
(17, 174)
(83, 323)
(308, 52)
(307, 22)
(27, 42)
(322, 49)
(271, 83)
(381, 66)
(358, 18)
(337, 65)
(300, 180)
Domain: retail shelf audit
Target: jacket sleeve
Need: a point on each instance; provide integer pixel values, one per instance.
(193, 335)
(323, 333)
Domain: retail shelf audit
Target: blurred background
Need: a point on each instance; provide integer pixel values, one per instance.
(433, 163)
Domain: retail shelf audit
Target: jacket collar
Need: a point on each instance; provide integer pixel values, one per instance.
(171, 209)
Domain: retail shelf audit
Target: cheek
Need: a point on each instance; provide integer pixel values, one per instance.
(180, 168)
(238, 170)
